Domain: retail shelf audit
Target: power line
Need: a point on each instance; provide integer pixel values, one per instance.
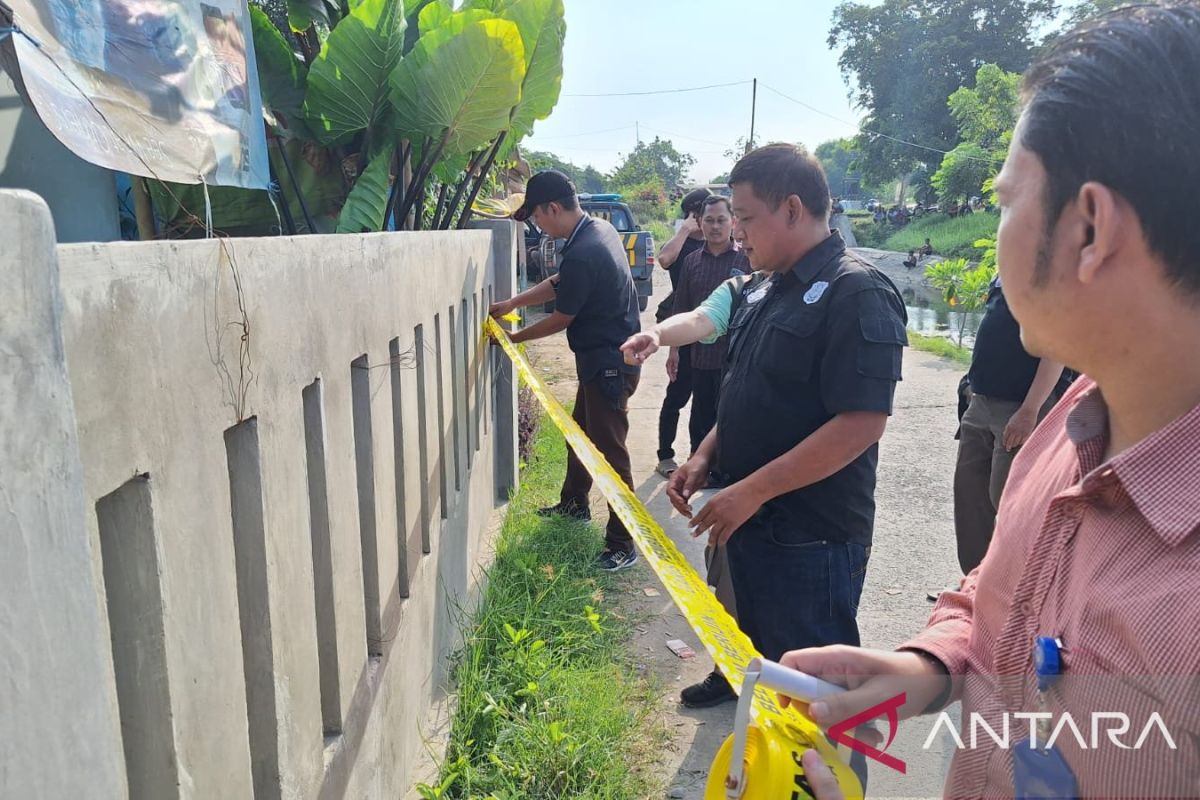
(685, 136)
(870, 132)
(662, 91)
(588, 133)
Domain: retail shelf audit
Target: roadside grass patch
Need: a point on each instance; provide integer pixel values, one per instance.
(940, 346)
(952, 237)
(549, 703)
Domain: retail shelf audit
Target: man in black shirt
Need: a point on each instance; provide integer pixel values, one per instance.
(596, 304)
(687, 240)
(1009, 392)
(815, 345)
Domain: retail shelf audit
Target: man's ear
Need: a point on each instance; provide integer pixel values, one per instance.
(1100, 227)
(796, 210)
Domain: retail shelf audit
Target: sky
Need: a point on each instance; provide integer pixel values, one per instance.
(650, 45)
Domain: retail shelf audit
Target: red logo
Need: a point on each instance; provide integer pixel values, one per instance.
(842, 732)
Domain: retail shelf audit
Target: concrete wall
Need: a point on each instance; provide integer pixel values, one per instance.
(290, 454)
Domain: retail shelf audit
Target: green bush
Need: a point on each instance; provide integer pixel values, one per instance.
(648, 200)
(661, 231)
(952, 237)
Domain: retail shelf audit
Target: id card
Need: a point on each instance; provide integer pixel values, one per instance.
(1042, 774)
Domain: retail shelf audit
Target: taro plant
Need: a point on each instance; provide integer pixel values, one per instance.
(382, 117)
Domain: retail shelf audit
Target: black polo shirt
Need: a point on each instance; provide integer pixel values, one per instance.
(1000, 367)
(690, 246)
(821, 339)
(596, 288)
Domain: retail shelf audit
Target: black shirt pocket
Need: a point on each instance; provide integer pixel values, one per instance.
(788, 348)
(882, 351)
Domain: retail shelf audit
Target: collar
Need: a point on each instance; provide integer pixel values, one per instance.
(808, 267)
(731, 249)
(1161, 473)
(584, 220)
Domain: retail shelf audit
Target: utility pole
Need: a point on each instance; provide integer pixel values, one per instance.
(637, 129)
(753, 113)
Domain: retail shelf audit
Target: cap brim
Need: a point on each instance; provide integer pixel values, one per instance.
(523, 213)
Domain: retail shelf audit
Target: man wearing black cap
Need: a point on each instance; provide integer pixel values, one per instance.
(596, 304)
(687, 240)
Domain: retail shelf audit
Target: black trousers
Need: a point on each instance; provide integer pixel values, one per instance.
(706, 387)
(679, 392)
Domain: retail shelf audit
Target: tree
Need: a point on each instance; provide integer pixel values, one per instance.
(837, 158)
(963, 171)
(587, 179)
(986, 116)
(902, 58)
(658, 159)
(1087, 9)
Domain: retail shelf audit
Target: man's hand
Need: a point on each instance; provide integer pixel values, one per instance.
(821, 779)
(673, 364)
(690, 226)
(726, 512)
(685, 482)
(1020, 425)
(640, 346)
(501, 308)
(871, 677)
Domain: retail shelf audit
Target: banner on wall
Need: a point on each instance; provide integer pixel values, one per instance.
(156, 88)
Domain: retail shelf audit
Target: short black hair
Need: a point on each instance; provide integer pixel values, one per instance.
(569, 202)
(1117, 101)
(713, 200)
(778, 171)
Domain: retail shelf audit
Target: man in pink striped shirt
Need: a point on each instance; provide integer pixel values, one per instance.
(1097, 543)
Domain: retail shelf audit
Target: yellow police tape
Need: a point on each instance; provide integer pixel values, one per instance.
(784, 734)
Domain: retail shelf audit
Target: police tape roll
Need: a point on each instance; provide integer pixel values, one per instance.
(784, 733)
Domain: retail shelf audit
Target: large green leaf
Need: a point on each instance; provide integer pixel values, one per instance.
(367, 202)
(543, 30)
(280, 73)
(460, 82)
(433, 15)
(348, 83)
(303, 13)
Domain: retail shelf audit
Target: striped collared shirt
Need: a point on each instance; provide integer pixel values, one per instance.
(703, 272)
(1104, 555)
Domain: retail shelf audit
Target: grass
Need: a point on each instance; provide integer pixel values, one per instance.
(940, 346)
(549, 704)
(952, 237)
(661, 231)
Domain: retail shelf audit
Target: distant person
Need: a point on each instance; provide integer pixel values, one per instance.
(1009, 393)
(703, 271)
(927, 248)
(687, 240)
(911, 261)
(596, 304)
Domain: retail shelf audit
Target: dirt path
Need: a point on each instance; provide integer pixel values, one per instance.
(913, 551)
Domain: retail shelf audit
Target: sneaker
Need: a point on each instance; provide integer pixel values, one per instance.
(617, 560)
(712, 691)
(666, 467)
(572, 510)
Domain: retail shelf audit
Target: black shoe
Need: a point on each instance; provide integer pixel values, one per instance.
(572, 510)
(617, 560)
(712, 691)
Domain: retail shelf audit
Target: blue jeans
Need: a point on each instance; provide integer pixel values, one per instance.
(793, 592)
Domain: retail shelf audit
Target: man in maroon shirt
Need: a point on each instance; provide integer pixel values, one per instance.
(1095, 562)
